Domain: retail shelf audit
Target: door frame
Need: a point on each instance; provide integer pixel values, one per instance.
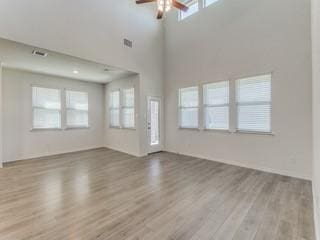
(158, 147)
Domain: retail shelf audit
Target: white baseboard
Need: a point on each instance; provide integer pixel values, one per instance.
(316, 211)
(124, 151)
(251, 166)
(48, 154)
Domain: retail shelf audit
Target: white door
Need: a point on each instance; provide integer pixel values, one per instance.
(154, 124)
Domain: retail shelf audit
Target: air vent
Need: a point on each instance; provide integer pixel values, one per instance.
(127, 43)
(39, 53)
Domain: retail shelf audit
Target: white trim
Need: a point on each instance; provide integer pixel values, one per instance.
(316, 211)
(76, 127)
(53, 153)
(127, 152)
(152, 148)
(254, 132)
(250, 166)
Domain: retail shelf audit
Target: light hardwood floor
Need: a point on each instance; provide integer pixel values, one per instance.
(103, 194)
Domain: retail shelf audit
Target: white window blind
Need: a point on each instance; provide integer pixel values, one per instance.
(189, 107)
(206, 3)
(193, 8)
(216, 105)
(77, 109)
(254, 103)
(114, 109)
(46, 104)
(128, 108)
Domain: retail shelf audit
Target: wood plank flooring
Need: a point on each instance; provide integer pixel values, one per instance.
(103, 194)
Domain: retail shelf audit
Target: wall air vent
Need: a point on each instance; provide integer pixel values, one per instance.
(39, 53)
(127, 43)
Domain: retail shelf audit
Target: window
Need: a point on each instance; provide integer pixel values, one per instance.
(115, 109)
(77, 109)
(189, 107)
(46, 105)
(254, 104)
(206, 3)
(193, 8)
(128, 108)
(216, 105)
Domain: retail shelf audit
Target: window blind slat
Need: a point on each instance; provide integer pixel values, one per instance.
(77, 104)
(46, 103)
(128, 119)
(189, 104)
(254, 103)
(114, 112)
(216, 105)
(77, 100)
(48, 98)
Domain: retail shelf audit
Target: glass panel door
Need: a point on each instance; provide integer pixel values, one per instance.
(154, 109)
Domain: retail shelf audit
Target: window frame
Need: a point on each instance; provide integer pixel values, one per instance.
(112, 108)
(73, 109)
(33, 128)
(253, 103)
(123, 107)
(205, 106)
(205, 5)
(181, 107)
(180, 12)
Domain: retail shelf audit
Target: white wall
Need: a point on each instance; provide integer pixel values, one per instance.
(124, 140)
(93, 30)
(19, 142)
(316, 110)
(231, 39)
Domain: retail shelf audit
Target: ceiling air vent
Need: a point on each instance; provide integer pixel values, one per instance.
(39, 53)
(127, 43)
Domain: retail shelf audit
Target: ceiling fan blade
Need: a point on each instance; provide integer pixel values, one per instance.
(179, 5)
(159, 14)
(144, 1)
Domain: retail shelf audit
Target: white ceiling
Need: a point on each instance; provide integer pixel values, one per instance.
(19, 56)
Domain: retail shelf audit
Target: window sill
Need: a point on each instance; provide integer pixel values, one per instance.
(192, 129)
(217, 130)
(75, 127)
(125, 128)
(114, 127)
(129, 128)
(45, 129)
(255, 132)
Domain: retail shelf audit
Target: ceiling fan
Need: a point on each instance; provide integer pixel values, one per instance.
(165, 6)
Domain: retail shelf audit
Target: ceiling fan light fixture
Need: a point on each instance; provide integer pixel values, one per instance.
(164, 5)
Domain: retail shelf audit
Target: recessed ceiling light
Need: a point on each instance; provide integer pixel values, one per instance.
(75, 71)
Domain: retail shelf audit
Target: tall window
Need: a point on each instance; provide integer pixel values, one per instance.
(46, 104)
(128, 108)
(189, 107)
(216, 105)
(254, 103)
(114, 109)
(206, 3)
(77, 109)
(193, 8)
